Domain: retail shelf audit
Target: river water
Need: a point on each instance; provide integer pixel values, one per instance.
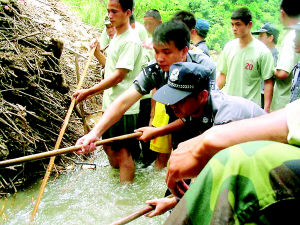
(85, 196)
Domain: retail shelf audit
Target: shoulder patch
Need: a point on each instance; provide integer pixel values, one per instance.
(152, 68)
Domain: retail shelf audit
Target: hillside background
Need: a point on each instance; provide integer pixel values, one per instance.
(217, 12)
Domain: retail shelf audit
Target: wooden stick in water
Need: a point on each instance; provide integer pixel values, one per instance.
(59, 139)
(136, 214)
(65, 150)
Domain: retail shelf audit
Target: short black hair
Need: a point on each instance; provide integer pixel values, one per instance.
(244, 14)
(186, 17)
(172, 31)
(131, 19)
(127, 4)
(154, 13)
(291, 8)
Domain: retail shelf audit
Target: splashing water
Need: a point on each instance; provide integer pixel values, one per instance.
(88, 197)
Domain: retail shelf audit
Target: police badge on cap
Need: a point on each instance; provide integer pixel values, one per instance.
(174, 75)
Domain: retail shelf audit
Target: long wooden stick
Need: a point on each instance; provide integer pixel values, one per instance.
(55, 152)
(86, 127)
(136, 214)
(61, 133)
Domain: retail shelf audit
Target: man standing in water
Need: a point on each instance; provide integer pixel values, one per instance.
(170, 42)
(123, 63)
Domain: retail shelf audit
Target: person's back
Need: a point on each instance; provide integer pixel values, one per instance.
(198, 37)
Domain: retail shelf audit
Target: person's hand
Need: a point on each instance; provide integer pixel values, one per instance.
(161, 206)
(148, 133)
(267, 109)
(96, 44)
(185, 162)
(87, 142)
(80, 95)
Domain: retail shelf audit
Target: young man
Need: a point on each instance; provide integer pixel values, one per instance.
(189, 20)
(123, 63)
(170, 41)
(107, 34)
(152, 19)
(288, 58)
(147, 156)
(245, 62)
(162, 146)
(188, 94)
(199, 34)
(268, 34)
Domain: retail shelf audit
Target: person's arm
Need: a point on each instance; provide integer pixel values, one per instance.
(153, 132)
(98, 52)
(221, 80)
(153, 103)
(107, 82)
(111, 115)
(281, 74)
(192, 155)
(100, 57)
(161, 206)
(268, 94)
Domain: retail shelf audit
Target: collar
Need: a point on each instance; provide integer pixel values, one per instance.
(205, 121)
(203, 41)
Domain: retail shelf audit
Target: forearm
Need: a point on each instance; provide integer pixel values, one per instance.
(108, 82)
(221, 80)
(268, 94)
(153, 102)
(271, 127)
(169, 128)
(101, 58)
(116, 110)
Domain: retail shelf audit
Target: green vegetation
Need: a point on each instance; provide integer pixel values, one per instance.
(217, 12)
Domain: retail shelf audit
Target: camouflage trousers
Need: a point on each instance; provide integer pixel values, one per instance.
(250, 183)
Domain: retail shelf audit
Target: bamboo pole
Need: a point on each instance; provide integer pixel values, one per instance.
(56, 152)
(80, 108)
(136, 214)
(61, 133)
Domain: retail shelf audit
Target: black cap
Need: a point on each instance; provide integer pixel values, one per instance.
(185, 78)
(268, 28)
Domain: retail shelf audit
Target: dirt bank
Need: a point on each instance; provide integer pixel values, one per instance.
(38, 42)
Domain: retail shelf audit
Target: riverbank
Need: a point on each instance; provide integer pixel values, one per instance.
(39, 40)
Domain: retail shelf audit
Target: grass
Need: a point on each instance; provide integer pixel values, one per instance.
(91, 12)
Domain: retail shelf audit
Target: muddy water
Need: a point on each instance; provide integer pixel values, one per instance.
(86, 196)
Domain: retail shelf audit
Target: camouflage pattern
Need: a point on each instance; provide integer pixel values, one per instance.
(250, 183)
